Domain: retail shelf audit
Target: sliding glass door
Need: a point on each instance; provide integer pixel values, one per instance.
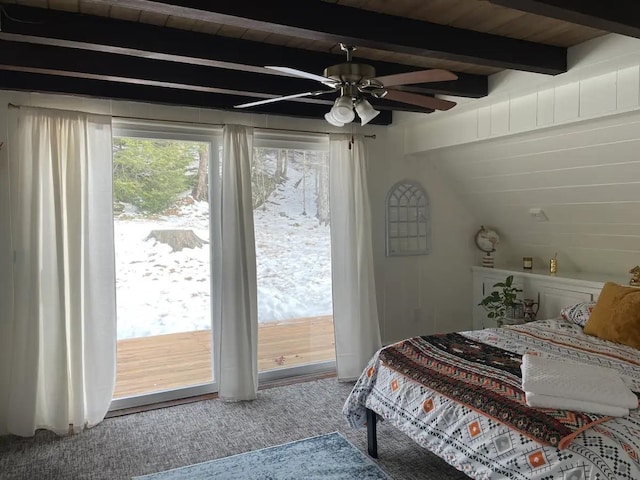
(163, 279)
(163, 258)
(290, 184)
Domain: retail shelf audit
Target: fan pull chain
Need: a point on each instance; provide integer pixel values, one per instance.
(352, 140)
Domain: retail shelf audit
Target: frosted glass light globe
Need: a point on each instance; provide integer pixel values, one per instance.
(329, 117)
(343, 109)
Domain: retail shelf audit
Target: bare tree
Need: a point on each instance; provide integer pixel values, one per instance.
(304, 182)
(263, 179)
(200, 190)
(323, 213)
(280, 174)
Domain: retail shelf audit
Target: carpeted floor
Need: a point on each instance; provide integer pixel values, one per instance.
(123, 447)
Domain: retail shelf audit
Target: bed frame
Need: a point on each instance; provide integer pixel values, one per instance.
(372, 435)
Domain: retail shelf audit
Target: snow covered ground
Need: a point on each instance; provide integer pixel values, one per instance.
(160, 291)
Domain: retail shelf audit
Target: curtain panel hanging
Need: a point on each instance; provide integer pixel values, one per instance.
(355, 314)
(62, 327)
(235, 317)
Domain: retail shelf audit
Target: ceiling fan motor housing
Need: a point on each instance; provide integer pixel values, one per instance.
(350, 73)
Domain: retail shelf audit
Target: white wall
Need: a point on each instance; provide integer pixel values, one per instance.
(420, 295)
(567, 144)
(585, 177)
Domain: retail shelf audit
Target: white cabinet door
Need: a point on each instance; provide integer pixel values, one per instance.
(554, 299)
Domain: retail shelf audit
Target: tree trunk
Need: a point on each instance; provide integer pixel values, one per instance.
(177, 239)
(285, 163)
(279, 173)
(200, 190)
(322, 196)
(304, 182)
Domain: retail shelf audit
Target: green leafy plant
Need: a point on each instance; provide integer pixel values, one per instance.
(151, 173)
(497, 302)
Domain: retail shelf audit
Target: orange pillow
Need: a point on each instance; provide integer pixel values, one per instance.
(616, 315)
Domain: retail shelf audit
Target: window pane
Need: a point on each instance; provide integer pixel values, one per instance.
(161, 226)
(293, 249)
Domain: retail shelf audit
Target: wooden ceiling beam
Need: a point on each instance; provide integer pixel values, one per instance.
(41, 82)
(98, 34)
(620, 16)
(73, 63)
(318, 20)
(147, 70)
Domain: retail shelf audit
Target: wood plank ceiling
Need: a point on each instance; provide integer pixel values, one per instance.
(212, 54)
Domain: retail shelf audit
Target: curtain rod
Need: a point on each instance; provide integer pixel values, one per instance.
(273, 129)
(117, 117)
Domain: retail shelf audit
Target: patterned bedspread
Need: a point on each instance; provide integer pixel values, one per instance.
(480, 444)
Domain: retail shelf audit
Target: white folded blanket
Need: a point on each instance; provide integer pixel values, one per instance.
(559, 403)
(576, 381)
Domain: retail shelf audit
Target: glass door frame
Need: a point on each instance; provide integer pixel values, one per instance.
(292, 140)
(213, 136)
(181, 132)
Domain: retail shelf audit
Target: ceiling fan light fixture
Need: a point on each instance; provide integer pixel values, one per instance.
(365, 111)
(356, 80)
(342, 109)
(332, 120)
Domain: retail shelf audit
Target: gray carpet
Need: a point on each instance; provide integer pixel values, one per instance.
(123, 447)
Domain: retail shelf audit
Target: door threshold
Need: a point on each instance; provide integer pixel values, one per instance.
(212, 396)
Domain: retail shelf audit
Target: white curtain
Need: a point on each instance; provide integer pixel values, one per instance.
(355, 314)
(61, 367)
(235, 319)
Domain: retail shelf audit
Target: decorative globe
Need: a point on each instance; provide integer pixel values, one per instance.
(487, 240)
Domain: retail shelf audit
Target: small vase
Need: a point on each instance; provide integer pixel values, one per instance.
(514, 312)
(529, 311)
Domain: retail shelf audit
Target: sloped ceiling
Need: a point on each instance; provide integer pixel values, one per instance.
(212, 54)
(584, 176)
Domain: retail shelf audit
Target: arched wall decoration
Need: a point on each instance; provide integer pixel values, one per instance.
(408, 218)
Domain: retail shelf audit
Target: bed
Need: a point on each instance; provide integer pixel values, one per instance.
(488, 432)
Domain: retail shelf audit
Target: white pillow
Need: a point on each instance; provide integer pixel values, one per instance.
(578, 313)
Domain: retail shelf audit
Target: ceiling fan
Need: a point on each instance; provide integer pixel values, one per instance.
(356, 81)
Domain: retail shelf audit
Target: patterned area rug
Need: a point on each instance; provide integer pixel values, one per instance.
(325, 457)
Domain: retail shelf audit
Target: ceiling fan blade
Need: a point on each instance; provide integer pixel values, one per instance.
(303, 74)
(278, 99)
(421, 76)
(419, 100)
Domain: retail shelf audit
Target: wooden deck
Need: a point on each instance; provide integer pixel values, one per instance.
(161, 362)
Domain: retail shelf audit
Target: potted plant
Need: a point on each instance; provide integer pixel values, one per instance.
(503, 303)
